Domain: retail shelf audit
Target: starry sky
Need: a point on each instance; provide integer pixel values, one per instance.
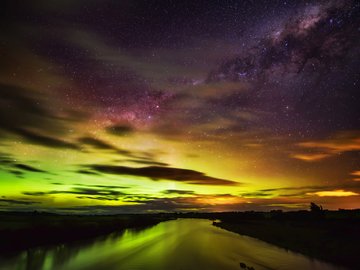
(150, 106)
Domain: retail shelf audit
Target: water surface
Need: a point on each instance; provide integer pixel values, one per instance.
(179, 244)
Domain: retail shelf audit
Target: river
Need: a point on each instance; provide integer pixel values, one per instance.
(172, 245)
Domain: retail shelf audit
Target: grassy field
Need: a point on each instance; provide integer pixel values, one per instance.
(19, 231)
(332, 240)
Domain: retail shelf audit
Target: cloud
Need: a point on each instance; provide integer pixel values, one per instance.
(43, 140)
(6, 159)
(102, 145)
(104, 186)
(357, 175)
(25, 112)
(178, 191)
(149, 204)
(201, 203)
(19, 98)
(10, 164)
(256, 194)
(18, 174)
(147, 162)
(97, 192)
(158, 172)
(87, 172)
(21, 202)
(334, 193)
(96, 143)
(344, 185)
(120, 130)
(156, 205)
(303, 192)
(188, 201)
(335, 146)
(310, 157)
(28, 168)
(79, 190)
(317, 150)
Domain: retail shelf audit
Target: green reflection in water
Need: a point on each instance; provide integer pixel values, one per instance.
(178, 244)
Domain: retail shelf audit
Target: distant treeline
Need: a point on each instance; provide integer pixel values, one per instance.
(274, 214)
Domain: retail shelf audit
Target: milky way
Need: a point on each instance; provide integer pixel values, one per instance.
(179, 105)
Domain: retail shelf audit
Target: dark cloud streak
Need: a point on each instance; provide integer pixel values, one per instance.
(158, 172)
(28, 168)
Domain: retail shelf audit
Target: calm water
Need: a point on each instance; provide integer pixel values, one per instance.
(180, 244)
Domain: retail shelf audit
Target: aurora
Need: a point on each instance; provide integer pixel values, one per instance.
(142, 106)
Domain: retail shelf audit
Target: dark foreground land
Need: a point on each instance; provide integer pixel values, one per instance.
(332, 236)
(20, 231)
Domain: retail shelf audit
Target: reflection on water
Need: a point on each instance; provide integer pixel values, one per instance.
(177, 244)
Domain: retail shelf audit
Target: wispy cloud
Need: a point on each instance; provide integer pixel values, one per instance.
(321, 149)
(102, 145)
(120, 130)
(310, 157)
(16, 201)
(334, 193)
(178, 191)
(16, 167)
(356, 175)
(92, 192)
(29, 168)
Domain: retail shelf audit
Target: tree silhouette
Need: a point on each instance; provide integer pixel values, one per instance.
(315, 208)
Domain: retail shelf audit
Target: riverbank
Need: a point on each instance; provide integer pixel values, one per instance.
(20, 231)
(334, 241)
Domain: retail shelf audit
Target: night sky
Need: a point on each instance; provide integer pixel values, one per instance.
(147, 106)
